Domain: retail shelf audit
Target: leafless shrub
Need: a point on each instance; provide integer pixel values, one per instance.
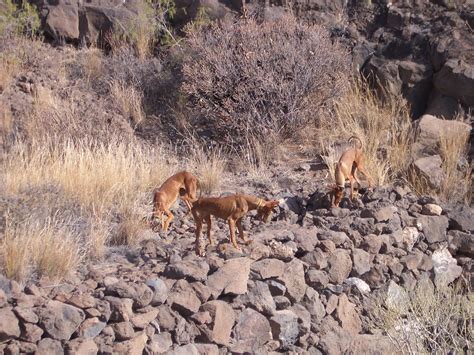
(246, 77)
(436, 321)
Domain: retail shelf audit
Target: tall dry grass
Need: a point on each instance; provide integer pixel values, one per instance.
(129, 101)
(110, 184)
(209, 167)
(10, 66)
(32, 248)
(384, 128)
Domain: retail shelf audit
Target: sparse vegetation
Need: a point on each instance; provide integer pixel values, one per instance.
(433, 320)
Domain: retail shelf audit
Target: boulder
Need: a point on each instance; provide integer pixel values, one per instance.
(160, 343)
(313, 304)
(123, 331)
(183, 299)
(31, 333)
(268, 268)
(431, 129)
(223, 320)
(317, 279)
(445, 267)
(252, 331)
(430, 168)
(434, 228)
(141, 320)
(81, 346)
(60, 320)
(133, 346)
(333, 339)
(193, 268)
(456, 79)
(48, 346)
(348, 316)
(9, 326)
(340, 266)
(231, 278)
(260, 298)
(120, 308)
(430, 209)
(26, 314)
(91, 328)
(160, 291)
(294, 280)
(361, 261)
(462, 219)
(361, 285)
(461, 243)
(284, 325)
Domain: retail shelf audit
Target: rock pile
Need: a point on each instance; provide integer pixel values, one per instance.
(300, 288)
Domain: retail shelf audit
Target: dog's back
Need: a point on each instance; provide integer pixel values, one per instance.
(221, 207)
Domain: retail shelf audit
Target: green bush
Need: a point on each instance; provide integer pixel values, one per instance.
(15, 21)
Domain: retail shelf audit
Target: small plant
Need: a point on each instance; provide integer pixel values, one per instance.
(17, 21)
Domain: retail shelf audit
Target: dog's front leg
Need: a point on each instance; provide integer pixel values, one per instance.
(232, 234)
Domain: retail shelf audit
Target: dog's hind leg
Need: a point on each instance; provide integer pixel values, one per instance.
(169, 218)
(209, 227)
(241, 231)
(232, 233)
(198, 236)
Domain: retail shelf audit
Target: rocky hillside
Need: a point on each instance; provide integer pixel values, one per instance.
(309, 283)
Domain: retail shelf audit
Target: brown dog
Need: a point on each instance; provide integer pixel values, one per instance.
(351, 161)
(168, 193)
(232, 209)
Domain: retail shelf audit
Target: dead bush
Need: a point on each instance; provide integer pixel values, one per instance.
(245, 77)
(427, 320)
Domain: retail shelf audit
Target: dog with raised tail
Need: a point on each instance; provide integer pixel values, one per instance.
(350, 162)
(232, 209)
(183, 185)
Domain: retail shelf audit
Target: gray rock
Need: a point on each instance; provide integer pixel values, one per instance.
(284, 325)
(462, 219)
(340, 266)
(183, 299)
(361, 261)
(445, 267)
(268, 268)
(223, 320)
(252, 331)
(430, 168)
(260, 298)
(48, 346)
(434, 228)
(294, 280)
(60, 320)
(193, 268)
(160, 291)
(231, 278)
(317, 279)
(348, 316)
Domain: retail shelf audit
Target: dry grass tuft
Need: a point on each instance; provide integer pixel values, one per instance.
(9, 67)
(457, 183)
(34, 248)
(209, 167)
(129, 101)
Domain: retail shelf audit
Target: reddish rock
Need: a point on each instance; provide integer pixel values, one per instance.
(26, 314)
(141, 320)
(183, 299)
(81, 346)
(223, 320)
(231, 278)
(348, 316)
(133, 346)
(294, 280)
(123, 330)
(252, 331)
(120, 309)
(340, 266)
(268, 268)
(48, 346)
(9, 326)
(31, 333)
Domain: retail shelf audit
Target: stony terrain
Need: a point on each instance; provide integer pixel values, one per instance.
(304, 285)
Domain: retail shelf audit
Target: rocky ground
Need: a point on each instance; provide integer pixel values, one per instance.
(304, 285)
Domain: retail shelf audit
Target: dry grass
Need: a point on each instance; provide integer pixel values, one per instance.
(457, 183)
(33, 248)
(384, 129)
(209, 167)
(111, 184)
(129, 101)
(431, 320)
(9, 67)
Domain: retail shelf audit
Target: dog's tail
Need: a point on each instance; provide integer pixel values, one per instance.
(357, 139)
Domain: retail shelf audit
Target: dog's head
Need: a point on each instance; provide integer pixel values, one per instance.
(264, 212)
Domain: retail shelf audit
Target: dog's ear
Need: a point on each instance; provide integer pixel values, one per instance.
(274, 203)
